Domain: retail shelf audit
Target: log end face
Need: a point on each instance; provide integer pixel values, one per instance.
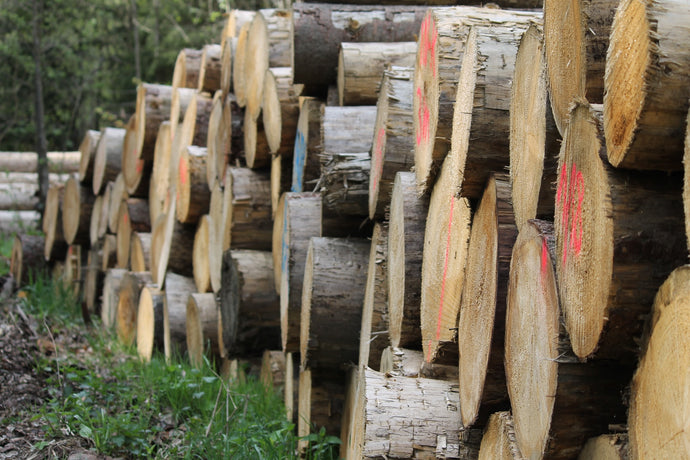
(628, 62)
(145, 326)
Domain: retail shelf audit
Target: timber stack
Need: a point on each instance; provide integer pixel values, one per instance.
(446, 231)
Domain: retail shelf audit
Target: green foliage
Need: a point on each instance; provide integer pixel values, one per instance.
(88, 59)
(124, 407)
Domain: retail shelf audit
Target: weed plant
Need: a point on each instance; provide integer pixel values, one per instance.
(100, 391)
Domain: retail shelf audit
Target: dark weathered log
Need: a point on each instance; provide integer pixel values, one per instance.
(360, 66)
(301, 221)
(249, 305)
(334, 280)
(55, 245)
(408, 213)
(393, 145)
(133, 217)
(619, 234)
(481, 326)
(273, 370)
(576, 37)
(320, 404)
(319, 29)
(645, 89)
(534, 140)
(373, 335)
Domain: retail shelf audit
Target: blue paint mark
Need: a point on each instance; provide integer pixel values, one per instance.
(299, 158)
(284, 247)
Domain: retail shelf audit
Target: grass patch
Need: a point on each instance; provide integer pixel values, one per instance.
(101, 392)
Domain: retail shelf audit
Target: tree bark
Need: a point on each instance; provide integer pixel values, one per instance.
(300, 222)
(408, 212)
(442, 44)
(140, 253)
(133, 216)
(344, 185)
(177, 291)
(107, 163)
(401, 362)
(193, 194)
(280, 110)
(334, 280)
(55, 245)
(249, 305)
(202, 327)
(320, 405)
(646, 90)
(150, 322)
(153, 107)
(128, 305)
(171, 246)
(209, 69)
(187, 69)
(360, 66)
(400, 417)
(621, 248)
(39, 111)
(77, 205)
(109, 255)
(27, 260)
(87, 149)
(655, 423)
(373, 335)
(393, 144)
(249, 195)
(306, 168)
(481, 327)
(498, 442)
(111, 296)
(319, 29)
(576, 37)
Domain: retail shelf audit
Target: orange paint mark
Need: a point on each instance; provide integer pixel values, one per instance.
(378, 156)
(140, 166)
(423, 116)
(570, 195)
(183, 171)
(544, 257)
(125, 218)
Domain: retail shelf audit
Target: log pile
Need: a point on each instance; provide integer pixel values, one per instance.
(472, 258)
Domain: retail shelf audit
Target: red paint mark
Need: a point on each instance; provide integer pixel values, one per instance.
(378, 156)
(423, 116)
(427, 45)
(125, 218)
(184, 171)
(445, 269)
(544, 257)
(140, 166)
(570, 195)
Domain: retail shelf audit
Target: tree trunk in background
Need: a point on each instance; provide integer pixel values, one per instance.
(41, 148)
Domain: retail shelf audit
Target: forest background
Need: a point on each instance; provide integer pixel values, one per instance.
(84, 59)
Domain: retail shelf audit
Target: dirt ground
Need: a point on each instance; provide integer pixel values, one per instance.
(24, 434)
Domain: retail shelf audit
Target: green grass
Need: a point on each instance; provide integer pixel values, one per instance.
(121, 406)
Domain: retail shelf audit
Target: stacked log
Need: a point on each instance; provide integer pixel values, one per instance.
(131, 286)
(201, 326)
(87, 150)
(107, 161)
(27, 260)
(306, 168)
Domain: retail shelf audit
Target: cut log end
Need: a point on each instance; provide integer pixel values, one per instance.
(498, 442)
(630, 58)
(150, 322)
